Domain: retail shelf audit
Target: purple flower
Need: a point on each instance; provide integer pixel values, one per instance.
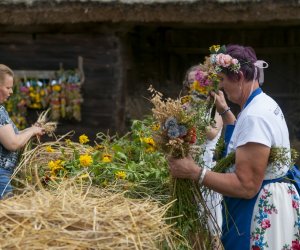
(182, 130)
(170, 122)
(173, 132)
(199, 76)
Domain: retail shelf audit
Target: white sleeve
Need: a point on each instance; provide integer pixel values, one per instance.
(254, 129)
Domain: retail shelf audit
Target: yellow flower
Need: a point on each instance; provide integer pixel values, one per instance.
(85, 160)
(196, 86)
(106, 158)
(55, 165)
(149, 141)
(56, 88)
(120, 175)
(185, 99)
(99, 147)
(155, 127)
(150, 149)
(83, 139)
(203, 90)
(214, 48)
(51, 164)
(49, 149)
(36, 106)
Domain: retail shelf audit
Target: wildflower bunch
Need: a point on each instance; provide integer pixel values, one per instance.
(181, 126)
(204, 82)
(278, 157)
(177, 131)
(220, 60)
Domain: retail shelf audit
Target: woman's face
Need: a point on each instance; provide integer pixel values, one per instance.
(192, 76)
(232, 89)
(6, 88)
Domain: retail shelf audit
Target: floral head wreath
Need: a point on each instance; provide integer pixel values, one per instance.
(220, 60)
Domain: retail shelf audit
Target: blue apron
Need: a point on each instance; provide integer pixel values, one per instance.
(237, 212)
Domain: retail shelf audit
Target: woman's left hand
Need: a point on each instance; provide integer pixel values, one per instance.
(184, 168)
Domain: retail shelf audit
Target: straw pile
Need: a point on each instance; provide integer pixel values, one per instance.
(82, 217)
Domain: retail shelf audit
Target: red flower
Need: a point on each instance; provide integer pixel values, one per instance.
(265, 224)
(295, 204)
(255, 248)
(192, 135)
(193, 139)
(295, 245)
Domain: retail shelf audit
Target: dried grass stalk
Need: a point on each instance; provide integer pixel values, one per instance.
(42, 121)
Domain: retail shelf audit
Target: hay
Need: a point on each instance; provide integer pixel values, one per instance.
(82, 217)
(43, 122)
(38, 155)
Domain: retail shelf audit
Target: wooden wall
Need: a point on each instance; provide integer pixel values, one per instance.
(161, 56)
(122, 60)
(102, 90)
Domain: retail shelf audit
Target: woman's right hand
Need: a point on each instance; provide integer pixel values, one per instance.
(220, 101)
(36, 130)
(184, 168)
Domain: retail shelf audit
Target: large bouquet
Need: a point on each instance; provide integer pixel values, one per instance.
(177, 127)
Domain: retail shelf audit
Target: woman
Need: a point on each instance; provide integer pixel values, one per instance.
(197, 74)
(261, 208)
(11, 140)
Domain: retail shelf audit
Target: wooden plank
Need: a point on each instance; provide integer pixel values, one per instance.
(39, 74)
(204, 51)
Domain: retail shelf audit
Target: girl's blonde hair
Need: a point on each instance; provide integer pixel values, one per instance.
(5, 70)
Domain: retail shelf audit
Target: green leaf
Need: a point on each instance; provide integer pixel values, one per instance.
(121, 155)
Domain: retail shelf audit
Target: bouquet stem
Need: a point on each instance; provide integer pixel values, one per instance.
(185, 212)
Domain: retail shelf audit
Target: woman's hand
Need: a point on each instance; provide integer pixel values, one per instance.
(37, 130)
(184, 168)
(222, 107)
(221, 103)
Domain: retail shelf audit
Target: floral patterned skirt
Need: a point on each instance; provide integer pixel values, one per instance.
(276, 218)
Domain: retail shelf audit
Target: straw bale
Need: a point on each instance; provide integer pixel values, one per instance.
(82, 217)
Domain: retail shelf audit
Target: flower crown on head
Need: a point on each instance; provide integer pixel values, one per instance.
(220, 60)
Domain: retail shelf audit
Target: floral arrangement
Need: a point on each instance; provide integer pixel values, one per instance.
(205, 81)
(66, 98)
(220, 60)
(179, 127)
(130, 163)
(62, 95)
(176, 126)
(278, 157)
(16, 107)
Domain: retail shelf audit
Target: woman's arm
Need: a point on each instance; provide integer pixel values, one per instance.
(221, 106)
(212, 131)
(12, 141)
(245, 182)
(251, 162)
